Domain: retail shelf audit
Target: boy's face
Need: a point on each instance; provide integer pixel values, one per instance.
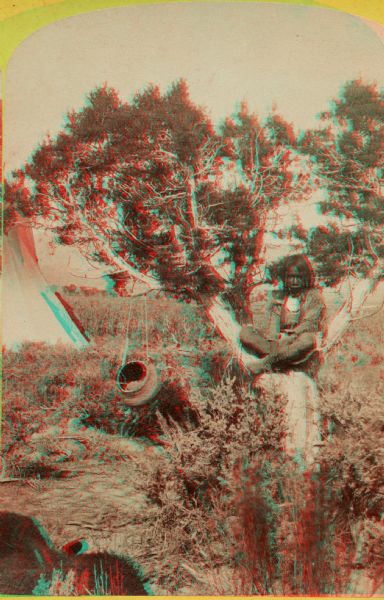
(294, 280)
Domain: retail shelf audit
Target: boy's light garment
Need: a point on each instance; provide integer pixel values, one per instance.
(309, 317)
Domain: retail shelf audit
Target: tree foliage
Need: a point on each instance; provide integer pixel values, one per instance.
(347, 154)
(151, 186)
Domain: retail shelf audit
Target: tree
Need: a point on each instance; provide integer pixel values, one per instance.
(258, 178)
(347, 154)
(149, 188)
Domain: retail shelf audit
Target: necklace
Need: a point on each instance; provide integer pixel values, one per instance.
(292, 304)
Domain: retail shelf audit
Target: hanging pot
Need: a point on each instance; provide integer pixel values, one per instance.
(139, 381)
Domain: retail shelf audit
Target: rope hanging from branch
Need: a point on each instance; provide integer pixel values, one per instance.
(137, 378)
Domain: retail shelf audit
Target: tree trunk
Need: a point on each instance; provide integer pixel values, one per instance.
(347, 312)
(224, 321)
(302, 414)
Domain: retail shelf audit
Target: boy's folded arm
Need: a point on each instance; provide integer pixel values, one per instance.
(313, 313)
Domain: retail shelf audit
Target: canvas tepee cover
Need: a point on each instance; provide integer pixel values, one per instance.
(31, 310)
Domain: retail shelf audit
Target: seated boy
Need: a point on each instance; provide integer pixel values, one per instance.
(295, 322)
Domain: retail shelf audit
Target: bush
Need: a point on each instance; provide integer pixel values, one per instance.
(45, 386)
(228, 512)
(353, 413)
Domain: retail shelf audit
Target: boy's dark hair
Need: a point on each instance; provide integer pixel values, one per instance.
(306, 270)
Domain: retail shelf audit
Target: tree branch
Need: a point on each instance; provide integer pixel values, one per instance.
(347, 312)
(221, 316)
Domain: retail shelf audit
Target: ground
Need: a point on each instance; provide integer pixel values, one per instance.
(81, 461)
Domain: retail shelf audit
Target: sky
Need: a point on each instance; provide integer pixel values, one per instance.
(293, 57)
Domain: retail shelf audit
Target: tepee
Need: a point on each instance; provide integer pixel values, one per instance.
(31, 310)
